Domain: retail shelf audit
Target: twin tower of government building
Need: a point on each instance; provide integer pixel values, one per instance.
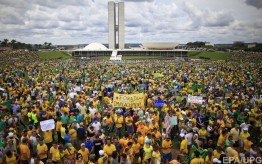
(116, 24)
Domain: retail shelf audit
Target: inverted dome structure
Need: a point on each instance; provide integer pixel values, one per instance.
(160, 45)
(95, 46)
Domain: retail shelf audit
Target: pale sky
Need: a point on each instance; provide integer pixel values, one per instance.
(86, 21)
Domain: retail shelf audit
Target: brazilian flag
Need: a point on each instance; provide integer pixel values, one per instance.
(6, 105)
(203, 153)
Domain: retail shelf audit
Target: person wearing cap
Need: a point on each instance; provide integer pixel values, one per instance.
(109, 148)
(197, 159)
(148, 149)
(166, 147)
(103, 157)
(84, 152)
(243, 136)
(183, 144)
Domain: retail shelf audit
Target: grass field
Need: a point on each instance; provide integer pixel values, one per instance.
(135, 57)
(211, 55)
(53, 55)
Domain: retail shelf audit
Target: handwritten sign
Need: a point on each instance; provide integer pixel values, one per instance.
(47, 125)
(195, 99)
(128, 100)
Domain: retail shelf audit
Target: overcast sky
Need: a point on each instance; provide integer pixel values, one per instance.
(86, 21)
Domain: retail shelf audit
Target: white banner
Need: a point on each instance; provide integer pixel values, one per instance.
(47, 125)
(195, 99)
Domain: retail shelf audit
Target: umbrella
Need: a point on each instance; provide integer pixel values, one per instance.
(158, 75)
(110, 86)
(142, 85)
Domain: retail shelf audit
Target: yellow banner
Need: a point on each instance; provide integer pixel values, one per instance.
(128, 100)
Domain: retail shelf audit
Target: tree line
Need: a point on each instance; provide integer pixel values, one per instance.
(15, 45)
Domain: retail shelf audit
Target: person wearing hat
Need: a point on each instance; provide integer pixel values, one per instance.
(84, 152)
(148, 149)
(166, 147)
(243, 136)
(103, 157)
(183, 144)
(70, 152)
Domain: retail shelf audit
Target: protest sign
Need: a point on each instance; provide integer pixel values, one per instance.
(128, 100)
(47, 125)
(195, 99)
(159, 103)
(77, 89)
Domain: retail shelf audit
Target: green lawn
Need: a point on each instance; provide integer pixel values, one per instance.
(135, 57)
(53, 55)
(211, 55)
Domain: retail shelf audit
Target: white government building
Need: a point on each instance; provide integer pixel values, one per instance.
(117, 33)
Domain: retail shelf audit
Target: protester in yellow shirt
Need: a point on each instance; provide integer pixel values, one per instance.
(52, 152)
(109, 148)
(183, 144)
(84, 152)
(70, 152)
(48, 138)
(119, 120)
(103, 158)
(42, 151)
(166, 147)
(197, 159)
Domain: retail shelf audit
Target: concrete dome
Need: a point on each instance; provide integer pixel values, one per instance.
(95, 46)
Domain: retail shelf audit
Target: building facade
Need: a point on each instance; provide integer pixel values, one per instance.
(116, 25)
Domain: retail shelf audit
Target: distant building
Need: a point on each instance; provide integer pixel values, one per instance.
(116, 35)
(251, 45)
(222, 45)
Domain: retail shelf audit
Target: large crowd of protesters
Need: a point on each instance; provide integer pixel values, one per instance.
(78, 96)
